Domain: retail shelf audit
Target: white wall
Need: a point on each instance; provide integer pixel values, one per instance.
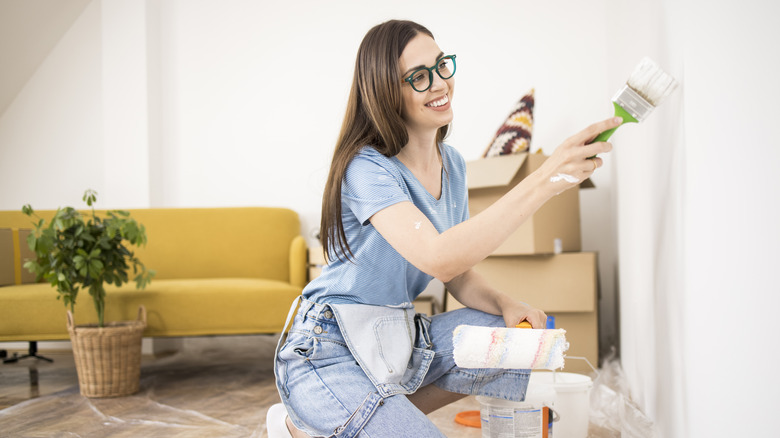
(731, 231)
(51, 145)
(697, 213)
(249, 86)
(648, 203)
(126, 94)
(245, 85)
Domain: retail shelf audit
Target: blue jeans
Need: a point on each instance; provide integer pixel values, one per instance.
(327, 394)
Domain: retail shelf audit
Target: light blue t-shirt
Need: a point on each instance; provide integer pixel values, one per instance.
(378, 274)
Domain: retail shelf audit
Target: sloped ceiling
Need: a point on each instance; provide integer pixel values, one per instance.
(29, 30)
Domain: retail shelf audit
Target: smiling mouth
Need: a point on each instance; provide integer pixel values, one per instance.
(437, 103)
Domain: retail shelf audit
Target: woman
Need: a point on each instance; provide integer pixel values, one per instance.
(357, 360)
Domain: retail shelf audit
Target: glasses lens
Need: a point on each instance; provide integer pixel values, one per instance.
(446, 67)
(421, 79)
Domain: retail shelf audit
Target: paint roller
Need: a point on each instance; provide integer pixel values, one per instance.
(511, 348)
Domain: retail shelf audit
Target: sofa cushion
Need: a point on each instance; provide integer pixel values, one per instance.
(218, 242)
(514, 135)
(190, 307)
(242, 242)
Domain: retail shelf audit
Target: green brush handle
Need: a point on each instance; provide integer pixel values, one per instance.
(619, 112)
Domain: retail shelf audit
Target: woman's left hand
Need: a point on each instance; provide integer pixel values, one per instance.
(514, 312)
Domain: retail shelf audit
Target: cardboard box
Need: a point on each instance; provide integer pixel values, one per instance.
(425, 304)
(554, 228)
(14, 252)
(316, 262)
(563, 285)
(582, 333)
(565, 282)
(557, 283)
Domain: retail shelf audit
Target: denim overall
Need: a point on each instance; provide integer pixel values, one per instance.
(345, 364)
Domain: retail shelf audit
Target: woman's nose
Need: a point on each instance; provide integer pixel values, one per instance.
(438, 83)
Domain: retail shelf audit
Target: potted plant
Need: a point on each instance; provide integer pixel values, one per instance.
(75, 251)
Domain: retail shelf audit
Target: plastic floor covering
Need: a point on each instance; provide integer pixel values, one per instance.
(212, 387)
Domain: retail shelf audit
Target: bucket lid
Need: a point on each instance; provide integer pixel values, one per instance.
(561, 382)
(539, 394)
(529, 402)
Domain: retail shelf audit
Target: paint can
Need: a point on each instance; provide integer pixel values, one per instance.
(531, 418)
(572, 400)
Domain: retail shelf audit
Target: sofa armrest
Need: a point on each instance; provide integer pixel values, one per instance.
(298, 262)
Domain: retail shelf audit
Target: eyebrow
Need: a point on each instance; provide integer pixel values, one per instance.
(438, 57)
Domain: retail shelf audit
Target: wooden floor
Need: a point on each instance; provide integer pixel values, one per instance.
(214, 387)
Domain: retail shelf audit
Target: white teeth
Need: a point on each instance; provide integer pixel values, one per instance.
(439, 102)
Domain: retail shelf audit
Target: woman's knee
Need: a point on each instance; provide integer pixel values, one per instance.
(443, 324)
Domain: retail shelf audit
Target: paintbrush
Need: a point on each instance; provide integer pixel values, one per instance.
(645, 89)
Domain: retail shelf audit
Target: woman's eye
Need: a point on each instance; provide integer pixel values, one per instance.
(417, 77)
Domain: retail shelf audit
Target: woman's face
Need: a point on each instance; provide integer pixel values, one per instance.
(430, 109)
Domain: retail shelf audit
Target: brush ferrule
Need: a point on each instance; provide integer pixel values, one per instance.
(633, 103)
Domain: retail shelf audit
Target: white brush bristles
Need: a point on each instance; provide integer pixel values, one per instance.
(650, 82)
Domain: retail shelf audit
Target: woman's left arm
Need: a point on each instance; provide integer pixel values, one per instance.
(473, 291)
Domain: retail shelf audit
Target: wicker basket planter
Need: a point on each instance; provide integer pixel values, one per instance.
(108, 359)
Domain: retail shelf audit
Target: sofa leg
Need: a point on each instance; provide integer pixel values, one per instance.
(31, 352)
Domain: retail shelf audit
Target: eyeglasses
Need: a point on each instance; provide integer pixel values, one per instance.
(422, 78)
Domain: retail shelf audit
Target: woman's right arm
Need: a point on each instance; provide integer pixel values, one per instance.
(453, 252)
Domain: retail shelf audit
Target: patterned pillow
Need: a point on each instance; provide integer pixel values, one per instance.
(514, 136)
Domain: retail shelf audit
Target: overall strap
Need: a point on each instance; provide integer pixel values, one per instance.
(290, 315)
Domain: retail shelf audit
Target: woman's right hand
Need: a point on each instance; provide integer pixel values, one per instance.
(575, 159)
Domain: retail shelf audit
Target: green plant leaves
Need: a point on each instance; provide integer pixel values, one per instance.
(90, 196)
(75, 250)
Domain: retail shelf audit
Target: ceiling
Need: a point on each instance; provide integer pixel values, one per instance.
(29, 30)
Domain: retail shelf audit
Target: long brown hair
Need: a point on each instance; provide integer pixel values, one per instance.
(373, 118)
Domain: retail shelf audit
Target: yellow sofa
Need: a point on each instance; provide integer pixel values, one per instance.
(220, 271)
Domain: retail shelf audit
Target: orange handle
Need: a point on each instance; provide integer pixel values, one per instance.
(524, 324)
(469, 418)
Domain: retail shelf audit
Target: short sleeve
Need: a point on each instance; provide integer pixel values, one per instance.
(372, 183)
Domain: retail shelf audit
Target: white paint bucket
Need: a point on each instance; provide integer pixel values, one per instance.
(531, 418)
(572, 400)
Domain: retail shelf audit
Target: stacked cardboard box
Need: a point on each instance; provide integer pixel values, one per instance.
(317, 261)
(14, 252)
(541, 263)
